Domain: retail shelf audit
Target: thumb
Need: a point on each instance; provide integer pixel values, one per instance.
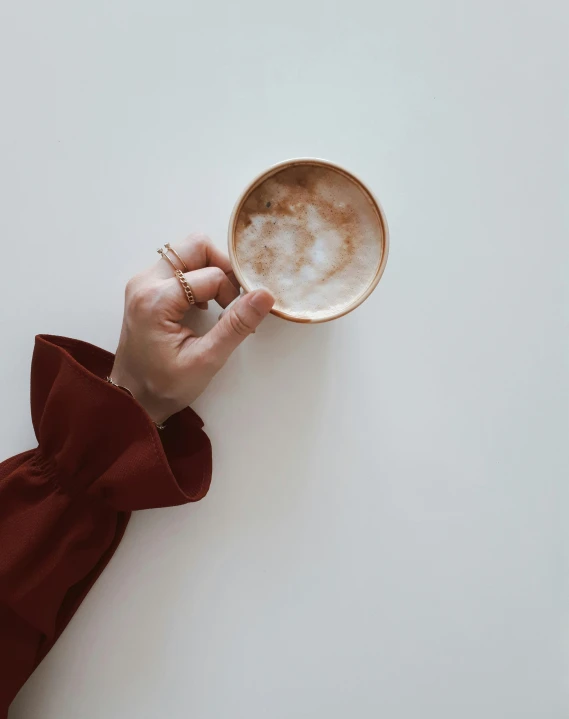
(239, 322)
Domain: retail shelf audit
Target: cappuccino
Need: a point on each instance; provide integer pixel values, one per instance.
(313, 236)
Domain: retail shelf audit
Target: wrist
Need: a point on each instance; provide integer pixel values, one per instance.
(158, 409)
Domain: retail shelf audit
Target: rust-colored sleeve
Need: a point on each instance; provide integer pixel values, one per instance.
(65, 505)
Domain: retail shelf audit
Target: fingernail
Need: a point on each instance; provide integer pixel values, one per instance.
(261, 301)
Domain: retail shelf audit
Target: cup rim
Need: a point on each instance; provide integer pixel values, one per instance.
(272, 170)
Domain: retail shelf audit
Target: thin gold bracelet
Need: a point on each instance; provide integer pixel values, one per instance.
(126, 389)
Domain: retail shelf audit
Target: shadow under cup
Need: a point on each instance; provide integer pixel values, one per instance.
(289, 208)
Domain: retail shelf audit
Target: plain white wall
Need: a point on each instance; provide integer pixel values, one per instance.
(386, 531)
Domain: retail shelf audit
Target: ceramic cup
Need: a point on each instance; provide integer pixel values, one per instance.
(383, 239)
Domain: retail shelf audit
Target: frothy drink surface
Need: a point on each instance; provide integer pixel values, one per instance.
(312, 237)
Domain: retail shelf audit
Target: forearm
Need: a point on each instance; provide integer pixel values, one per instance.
(64, 506)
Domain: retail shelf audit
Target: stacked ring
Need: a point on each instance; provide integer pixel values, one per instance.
(169, 248)
(177, 271)
(186, 287)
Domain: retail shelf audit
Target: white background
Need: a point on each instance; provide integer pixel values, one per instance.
(386, 531)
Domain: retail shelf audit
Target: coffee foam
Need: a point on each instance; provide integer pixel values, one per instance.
(312, 237)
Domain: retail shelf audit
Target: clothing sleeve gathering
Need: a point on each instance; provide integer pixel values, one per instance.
(65, 505)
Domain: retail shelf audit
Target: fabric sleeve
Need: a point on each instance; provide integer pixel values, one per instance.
(65, 505)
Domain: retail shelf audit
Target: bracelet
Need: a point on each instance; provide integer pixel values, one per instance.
(126, 389)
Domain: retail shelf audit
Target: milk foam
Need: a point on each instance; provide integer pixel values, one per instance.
(312, 237)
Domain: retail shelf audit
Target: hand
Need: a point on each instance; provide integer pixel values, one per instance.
(161, 361)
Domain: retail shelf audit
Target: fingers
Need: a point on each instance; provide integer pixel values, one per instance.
(236, 324)
(209, 283)
(198, 251)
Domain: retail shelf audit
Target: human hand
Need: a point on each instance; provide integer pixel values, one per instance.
(163, 363)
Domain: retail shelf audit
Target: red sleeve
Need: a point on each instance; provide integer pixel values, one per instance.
(65, 505)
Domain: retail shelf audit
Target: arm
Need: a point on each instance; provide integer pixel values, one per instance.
(65, 505)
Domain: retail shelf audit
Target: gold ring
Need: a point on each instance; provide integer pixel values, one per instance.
(164, 256)
(179, 274)
(186, 287)
(173, 251)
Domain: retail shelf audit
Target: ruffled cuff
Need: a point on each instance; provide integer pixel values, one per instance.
(95, 438)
